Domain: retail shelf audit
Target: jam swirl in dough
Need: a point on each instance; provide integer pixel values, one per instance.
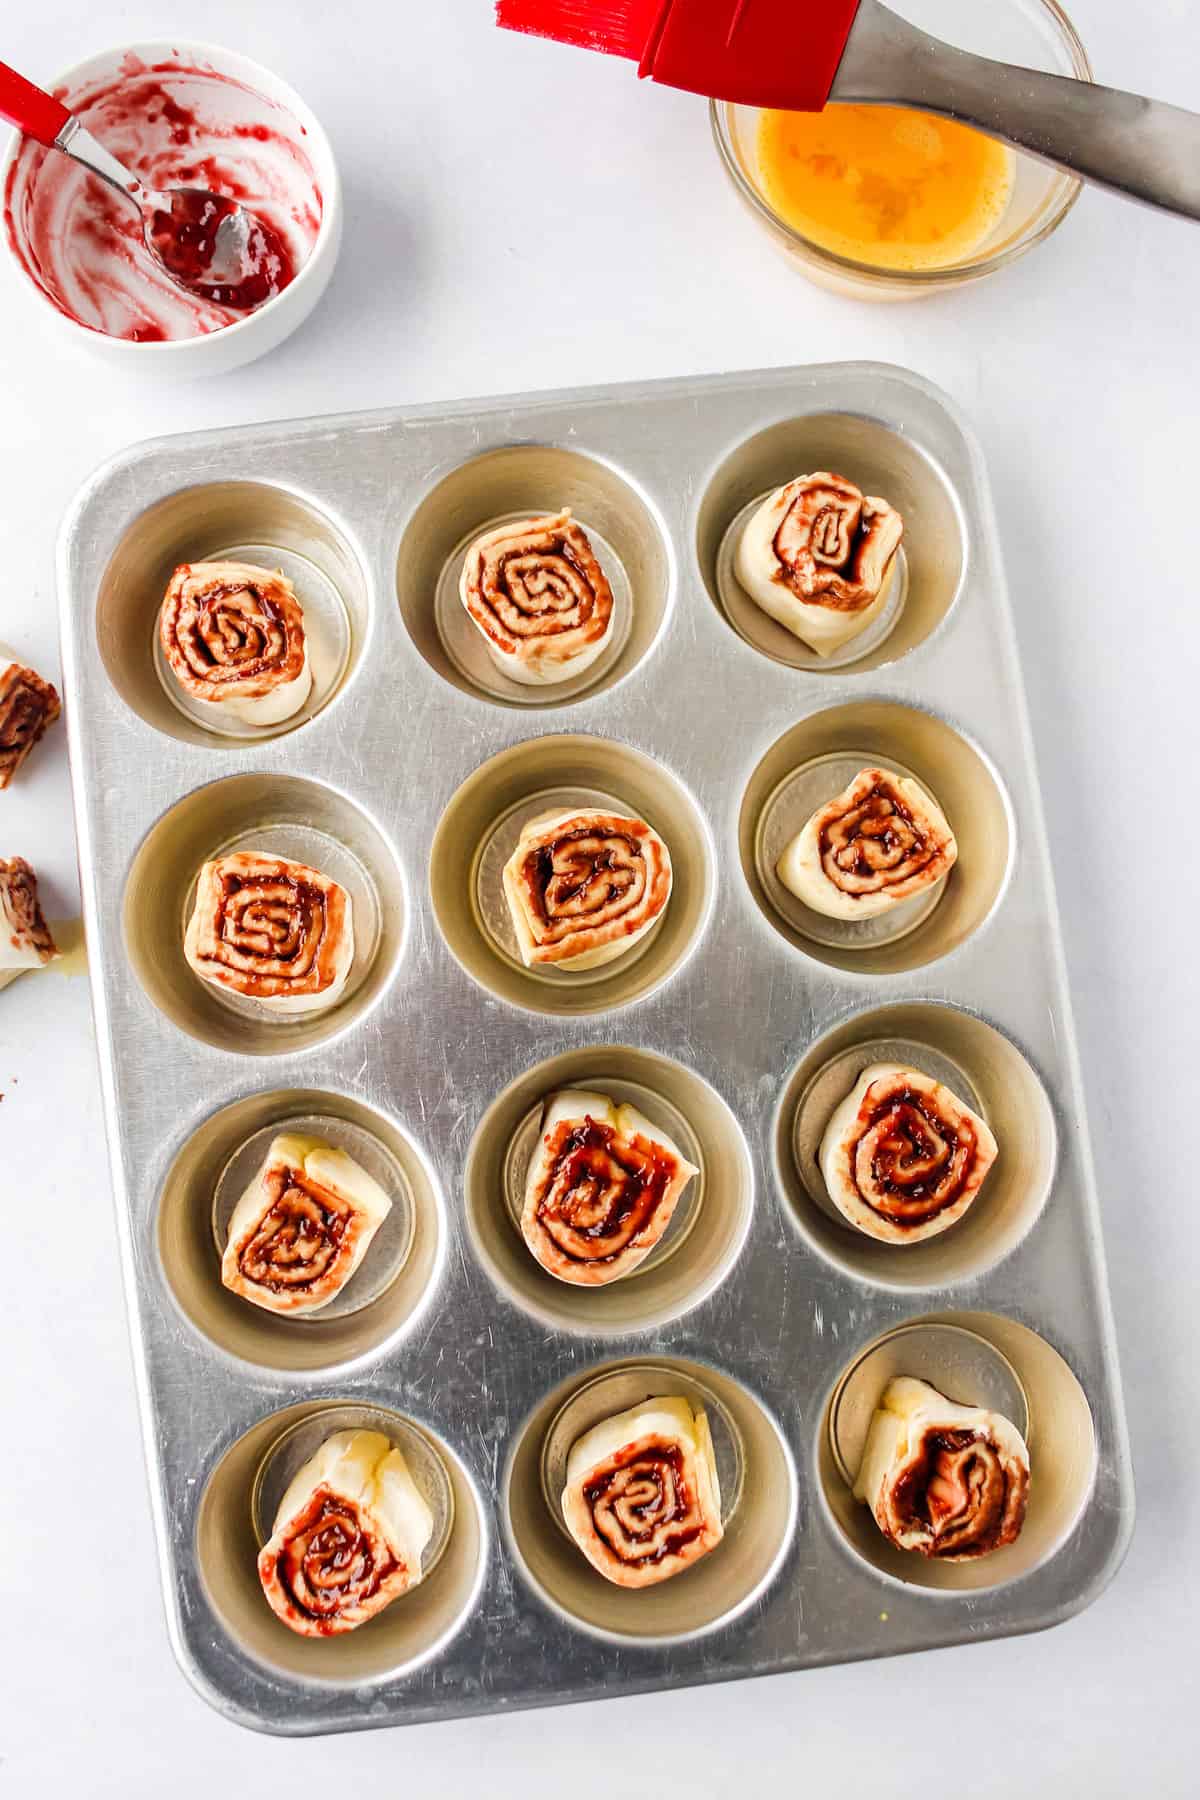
(348, 1538)
(601, 1188)
(537, 593)
(271, 930)
(28, 706)
(945, 1480)
(902, 1156)
(298, 1238)
(330, 1565)
(583, 887)
(642, 1505)
(642, 1497)
(604, 1189)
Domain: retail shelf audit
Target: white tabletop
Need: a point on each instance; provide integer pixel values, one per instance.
(476, 168)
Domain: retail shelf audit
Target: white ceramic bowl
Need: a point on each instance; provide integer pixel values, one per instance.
(215, 352)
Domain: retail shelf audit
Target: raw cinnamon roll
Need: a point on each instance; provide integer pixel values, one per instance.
(25, 938)
(302, 1227)
(642, 1498)
(902, 1157)
(348, 1536)
(271, 930)
(539, 597)
(28, 705)
(601, 1188)
(945, 1480)
(583, 887)
(818, 555)
(880, 841)
(233, 637)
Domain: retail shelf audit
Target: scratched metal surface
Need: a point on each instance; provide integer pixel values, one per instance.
(436, 1049)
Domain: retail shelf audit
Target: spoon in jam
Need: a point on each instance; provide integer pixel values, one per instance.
(207, 244)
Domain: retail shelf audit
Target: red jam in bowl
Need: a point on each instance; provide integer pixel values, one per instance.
(174, 125)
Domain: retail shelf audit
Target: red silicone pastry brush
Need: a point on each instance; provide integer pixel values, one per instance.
(799, 54)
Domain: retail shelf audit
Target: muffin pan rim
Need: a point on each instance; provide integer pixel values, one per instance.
(691, 419)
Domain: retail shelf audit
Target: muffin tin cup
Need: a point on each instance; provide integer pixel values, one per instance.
(236, 1516)
(707, 1229)
(388, 1292)
(816, 760)
(983, 1070)
(976, 1359)
(240, 521)
(280, 815)
(479, 831)
(758, 1506)
(524, 481)
(931, 565)
(728, 1025)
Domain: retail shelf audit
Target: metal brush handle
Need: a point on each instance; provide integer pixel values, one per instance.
(1143, 148)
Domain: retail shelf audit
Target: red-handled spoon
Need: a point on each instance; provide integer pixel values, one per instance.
(208, 244)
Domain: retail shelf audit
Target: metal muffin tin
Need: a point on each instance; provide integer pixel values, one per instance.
(737, 1020)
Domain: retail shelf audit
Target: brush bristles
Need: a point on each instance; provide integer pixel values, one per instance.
(618, 27)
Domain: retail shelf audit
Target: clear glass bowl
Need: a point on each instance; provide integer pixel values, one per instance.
(1035, 34)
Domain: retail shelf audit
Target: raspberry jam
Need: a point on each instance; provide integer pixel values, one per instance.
(174, 124)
